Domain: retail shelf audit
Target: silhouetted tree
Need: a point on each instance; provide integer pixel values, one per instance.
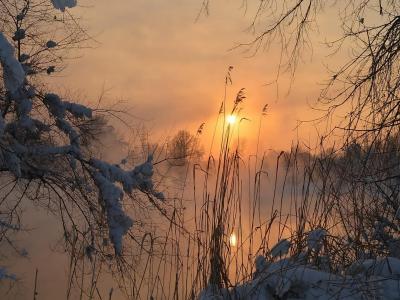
(183, 147)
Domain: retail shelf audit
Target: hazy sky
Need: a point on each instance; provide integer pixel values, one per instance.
(170, 69)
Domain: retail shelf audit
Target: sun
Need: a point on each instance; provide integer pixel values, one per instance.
(231, 119)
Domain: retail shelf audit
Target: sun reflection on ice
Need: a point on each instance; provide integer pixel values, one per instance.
(233, 240)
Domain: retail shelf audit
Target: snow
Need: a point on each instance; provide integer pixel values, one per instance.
(24, 57)
(51, 44)
(4, 274)
(281, 248)
(382, 266)
(261, 265)
(289, 279)
(63, 4)
(315, 238)
(118, 222)
(115, 173)
(58, 107)
(50, 70)
(138, 178)
(105, 177)
(13, 73)
(66, 127)
(8, 225)
(19, 35)
(78, 110)
(297, 277)
(24, 106)
(44, 150)
(15, 154)
(55, 105)
(13, 163)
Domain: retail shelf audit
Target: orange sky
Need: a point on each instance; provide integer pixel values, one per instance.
(170, 69)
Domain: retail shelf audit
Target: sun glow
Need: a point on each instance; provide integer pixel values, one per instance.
(231, 119)
(233, 240)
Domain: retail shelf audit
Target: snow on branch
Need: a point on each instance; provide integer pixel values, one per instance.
(4, 274)
(13, 73)
(105, 177)
(22, 149)
(63, 4)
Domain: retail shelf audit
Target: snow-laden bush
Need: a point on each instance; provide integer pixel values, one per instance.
(52, 154)
(40, 143)
(295, 278)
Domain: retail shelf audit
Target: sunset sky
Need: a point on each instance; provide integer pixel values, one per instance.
(169, 68)
(92, 208)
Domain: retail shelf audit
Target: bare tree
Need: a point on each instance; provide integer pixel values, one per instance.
(44, 155)
(182, 147)
(42, 36)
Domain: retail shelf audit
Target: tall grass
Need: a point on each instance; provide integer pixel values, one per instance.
(262, 199)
